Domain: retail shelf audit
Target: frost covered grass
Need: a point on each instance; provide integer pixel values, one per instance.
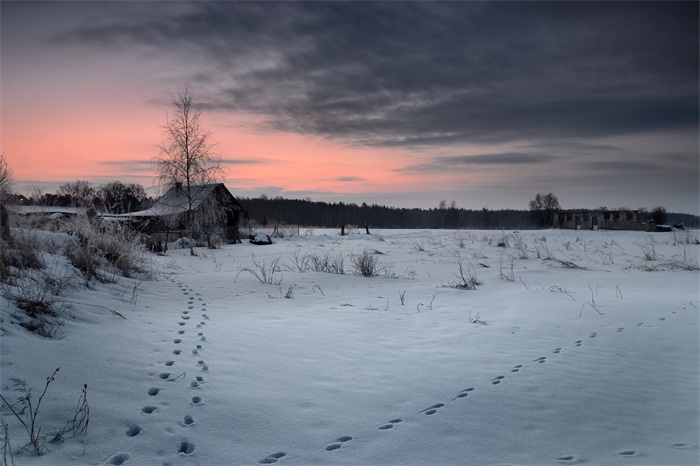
(400, 347)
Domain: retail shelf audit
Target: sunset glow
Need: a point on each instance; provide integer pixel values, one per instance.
(446, 101)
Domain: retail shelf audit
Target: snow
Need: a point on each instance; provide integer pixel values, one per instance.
(544, 364)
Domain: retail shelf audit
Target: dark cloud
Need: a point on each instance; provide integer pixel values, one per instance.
(241, 161)
(450, 163)
(419, 74)
(350, 179)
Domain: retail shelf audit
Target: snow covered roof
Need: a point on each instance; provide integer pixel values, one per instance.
(46, 210)
(175, 200)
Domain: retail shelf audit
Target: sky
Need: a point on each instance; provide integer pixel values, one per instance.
(396, 103)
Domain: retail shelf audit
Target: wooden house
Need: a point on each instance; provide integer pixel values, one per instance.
(583, 219)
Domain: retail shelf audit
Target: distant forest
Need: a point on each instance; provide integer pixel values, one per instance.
(280, 211)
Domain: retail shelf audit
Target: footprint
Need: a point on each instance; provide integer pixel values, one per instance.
(188, 420)
(169, 363)
(185, 317)
(556, 350)
(119, 459)
(594, 334)
(202, 323)
(180, 324)
(177, 341)
(498, 379)
(203, 339)
(200, 378)
(627, 453)
(466, 391)
(567, 459)
(273, 458)
(684, 445)
(517, 368)
(390, 425)
(620, 329)
(185, 312)
(194, 384)
(195, 352)
(148, 409)
(133, 431)
(153, 391)
(639, 324)
(200, 334)
(578, 342)
(335, 446)
(164, 375)
(540, 360)
(433, 409)
(662, 318)
(200, 362)
(196, 400)
(186, 447)
(199, 346)
(177, 351)
(181, 332)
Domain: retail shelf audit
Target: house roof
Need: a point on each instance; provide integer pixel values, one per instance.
(175, 200)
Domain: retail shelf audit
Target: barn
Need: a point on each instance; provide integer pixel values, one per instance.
(213, 207)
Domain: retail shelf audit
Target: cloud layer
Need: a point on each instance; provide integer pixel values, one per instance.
(429, 74)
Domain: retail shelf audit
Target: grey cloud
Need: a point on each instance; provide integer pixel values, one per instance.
(242, 161)
(350, 179)
(450, 163)
(421, 74)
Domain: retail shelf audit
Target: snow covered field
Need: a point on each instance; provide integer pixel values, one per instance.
(568, 352)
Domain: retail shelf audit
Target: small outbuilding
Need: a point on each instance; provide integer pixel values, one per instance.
(583, 219)
(204, 202)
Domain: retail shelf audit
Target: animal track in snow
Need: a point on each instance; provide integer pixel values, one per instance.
(185, 317)
(188, 420)
(390, 424)
(119, 459)
(338, 443)
(627, 453)
(148, 409)
(498, 379)
(662, 318)
(594, 334)
(177, 351)
(273, 458)
(153, 391)
(540, 360)
(181, 332)
(169, 363)
(639, 324)
(684, 445)
(465, 392)
(164, 375)
(186, 447)
(556, 350)
(185, 312)
(579, 342)
(194, 384)
(568, 459)
(433, 409)
(517, 368)
(133, 431)
(620, 329)
(177, 341)
(196, 400)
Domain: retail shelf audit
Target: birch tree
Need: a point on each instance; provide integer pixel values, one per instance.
(187, 159)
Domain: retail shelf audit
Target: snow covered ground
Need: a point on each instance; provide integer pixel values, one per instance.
(568, 352)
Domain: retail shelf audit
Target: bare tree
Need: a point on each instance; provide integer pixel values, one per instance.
(543, 209)
(6, 177)
(80, 193)
(187, 160)
(6, 180)
(659, 215)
